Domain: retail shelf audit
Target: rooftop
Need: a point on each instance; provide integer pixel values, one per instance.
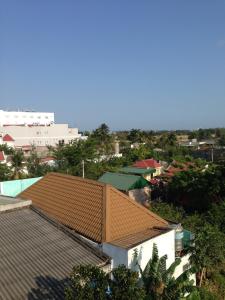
(9, 203)
(147, 163)
(133, 240)
(8, 138)
(139, 171)
(93, 209)
(124, 182)
(37, 255)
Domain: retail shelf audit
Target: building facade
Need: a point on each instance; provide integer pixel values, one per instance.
(26, 118)
(40, 136)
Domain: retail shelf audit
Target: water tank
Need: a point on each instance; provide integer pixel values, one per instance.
(179, 235)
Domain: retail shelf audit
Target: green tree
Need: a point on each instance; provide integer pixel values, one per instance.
(103, 140)
(125, 285)
(208, 250)
(168, 211)
(160, 283)
(91, 283)
(5, 172)
(17, 160)
(87, 282)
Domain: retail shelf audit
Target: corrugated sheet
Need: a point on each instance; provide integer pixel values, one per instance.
(36, 256)
(140, 171)
(123, 182)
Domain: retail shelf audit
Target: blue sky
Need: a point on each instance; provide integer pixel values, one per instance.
(151, 64)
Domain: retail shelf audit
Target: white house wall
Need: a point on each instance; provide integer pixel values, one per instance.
(183, 266)
(165, 244)
(119, 255)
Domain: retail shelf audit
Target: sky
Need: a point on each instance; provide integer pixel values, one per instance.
(149, 64)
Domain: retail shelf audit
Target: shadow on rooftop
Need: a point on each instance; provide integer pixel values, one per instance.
(48, 288)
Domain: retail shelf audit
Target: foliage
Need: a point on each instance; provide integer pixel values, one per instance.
(208, 250)
(167, 211)
(125, 286)
(160, 283)
(6, 149)
(87, 282)
(197, 190)
(34, 166)
(103, 139)
(5, 172)
(90, 282)
(17, 160)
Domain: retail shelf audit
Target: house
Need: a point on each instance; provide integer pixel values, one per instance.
(149, 163)
(105, 217)
(136, 187)
(146, 173)
(37, 253)
(7, 140)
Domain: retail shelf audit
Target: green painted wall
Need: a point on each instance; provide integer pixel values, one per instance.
(13, 187)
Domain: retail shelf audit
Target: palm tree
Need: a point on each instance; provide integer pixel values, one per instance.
(160, 283)
(17, 163)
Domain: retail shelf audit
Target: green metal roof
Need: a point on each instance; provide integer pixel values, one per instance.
(124, 182)
(139, 171)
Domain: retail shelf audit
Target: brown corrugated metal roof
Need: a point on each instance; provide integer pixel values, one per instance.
(93, 209)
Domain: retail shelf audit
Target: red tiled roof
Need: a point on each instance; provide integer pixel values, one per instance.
(2, 157)
(8, 138)
(147, 163)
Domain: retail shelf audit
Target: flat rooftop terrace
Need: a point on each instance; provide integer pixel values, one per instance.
(9, 203)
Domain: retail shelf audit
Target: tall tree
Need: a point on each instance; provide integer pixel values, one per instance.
(17, 160)
(160, 283)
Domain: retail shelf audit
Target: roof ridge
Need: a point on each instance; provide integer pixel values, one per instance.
(142, 208)
(122, 174)
(73, 177)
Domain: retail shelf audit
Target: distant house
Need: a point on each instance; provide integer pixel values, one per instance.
(136, 187)
(146, 173)
(37, 253)
(149, 164)
(105, 217)
(8, 140)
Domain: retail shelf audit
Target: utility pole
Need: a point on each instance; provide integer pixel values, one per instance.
(212, 154)
(83, 168)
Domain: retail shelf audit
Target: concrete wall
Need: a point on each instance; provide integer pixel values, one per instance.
(25, 118)
(13, 187)
(119, 255)
(165, 243)
(41, 135)
(183, 266)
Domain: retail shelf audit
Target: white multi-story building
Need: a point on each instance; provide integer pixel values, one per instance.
(40, 136)
(25, 118)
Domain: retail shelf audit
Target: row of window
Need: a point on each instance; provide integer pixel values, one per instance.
(31, 117)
